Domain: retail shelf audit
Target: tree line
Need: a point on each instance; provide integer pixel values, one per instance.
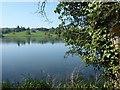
(17, 29)
(20, 29)
(58, 30)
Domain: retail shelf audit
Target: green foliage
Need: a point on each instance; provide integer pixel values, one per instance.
(9, 30)
(51, 30)
(7, 84)
(33, 31)
(13, 33)
(42, 29)
(28, 84)
(75, 81)
(28, 28)
(28, 33)
(5, 30)
(88, 28)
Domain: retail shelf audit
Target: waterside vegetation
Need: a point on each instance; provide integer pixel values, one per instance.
(75, 81)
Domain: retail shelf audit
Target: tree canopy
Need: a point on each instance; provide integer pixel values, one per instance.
(91, 28)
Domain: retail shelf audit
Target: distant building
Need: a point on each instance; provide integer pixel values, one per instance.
(33, 29)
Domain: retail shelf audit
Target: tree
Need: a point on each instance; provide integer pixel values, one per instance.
(23, 29)
(18, 26)
(28, 28)
(34, 31)
(89, 27)
(17, 29)
(51, 30)
(28, 33)
(5, 30)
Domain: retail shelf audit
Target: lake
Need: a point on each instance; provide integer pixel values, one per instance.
(35, 56)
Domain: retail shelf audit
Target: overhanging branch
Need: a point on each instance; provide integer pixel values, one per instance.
(41, 10)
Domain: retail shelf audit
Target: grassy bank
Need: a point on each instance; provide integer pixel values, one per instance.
(30, 33)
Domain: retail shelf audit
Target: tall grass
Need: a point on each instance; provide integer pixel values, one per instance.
(75, 81)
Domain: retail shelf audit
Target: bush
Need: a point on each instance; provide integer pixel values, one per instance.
(28, 33)
(33, 31)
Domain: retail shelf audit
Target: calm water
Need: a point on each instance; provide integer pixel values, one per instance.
(30, 56)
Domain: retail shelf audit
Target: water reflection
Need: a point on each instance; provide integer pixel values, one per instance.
(28, 40)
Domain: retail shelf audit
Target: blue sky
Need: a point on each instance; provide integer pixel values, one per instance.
(23, 14)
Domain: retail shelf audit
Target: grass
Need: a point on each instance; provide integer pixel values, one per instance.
(60, 85)
(23, 34)
(72, 83)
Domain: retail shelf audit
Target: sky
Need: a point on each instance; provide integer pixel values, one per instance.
(23, 14)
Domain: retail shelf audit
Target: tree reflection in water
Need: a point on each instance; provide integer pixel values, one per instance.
(28, 40)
